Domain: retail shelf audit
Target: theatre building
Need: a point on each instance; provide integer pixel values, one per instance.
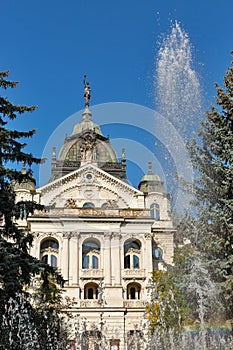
(105, 236)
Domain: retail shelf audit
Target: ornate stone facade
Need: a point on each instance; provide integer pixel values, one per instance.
(105, 236)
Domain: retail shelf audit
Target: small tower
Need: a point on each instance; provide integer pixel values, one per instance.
(151, 182)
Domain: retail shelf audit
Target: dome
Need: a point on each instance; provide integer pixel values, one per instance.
(151, 177)
(86, 124)
(87, 144)
(151, 182)
(28, 184)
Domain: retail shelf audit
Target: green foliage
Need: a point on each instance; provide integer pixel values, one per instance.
(211, 230)
(163, 311)
(17, 266)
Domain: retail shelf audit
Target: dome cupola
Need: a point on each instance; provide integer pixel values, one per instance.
(151, 182)
(87, 144)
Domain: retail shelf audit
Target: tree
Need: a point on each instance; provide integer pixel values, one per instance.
(17, 266)
(211, 232)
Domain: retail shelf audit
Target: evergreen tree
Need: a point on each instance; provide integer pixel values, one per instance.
(211, 230)
(17, 266)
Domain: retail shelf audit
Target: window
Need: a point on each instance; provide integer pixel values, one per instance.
(49, 250)
(49, 243)
(132, 251)
(91, 254)
(157, 255)
(133, 291)
(155, 211)
(91, 291)
(88, 205)
(104, 205)
(135, 262)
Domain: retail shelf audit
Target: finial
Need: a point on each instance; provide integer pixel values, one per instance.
(87, 91)
(23, 171)
(150, 168)
(123, 153)
(123, 160)
(54, 153)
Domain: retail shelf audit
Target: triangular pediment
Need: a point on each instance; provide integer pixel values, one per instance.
(90, 185)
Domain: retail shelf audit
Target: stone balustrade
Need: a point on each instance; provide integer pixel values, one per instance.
(89, 303)
(134, 304)
(134, 273)
(93, 212)
(91, 273)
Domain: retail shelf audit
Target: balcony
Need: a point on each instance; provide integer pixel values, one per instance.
(134, 273)
(130, 304)
(91, 273)
(89, 303)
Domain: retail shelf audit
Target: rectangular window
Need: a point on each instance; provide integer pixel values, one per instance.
(86, 262)
(127, 262)
(135, 262)
(53, 261)
(95, 262)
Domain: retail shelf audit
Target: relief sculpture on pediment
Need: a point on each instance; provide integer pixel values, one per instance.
(71, 203)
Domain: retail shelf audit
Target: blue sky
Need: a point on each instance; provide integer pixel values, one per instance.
(49, 45)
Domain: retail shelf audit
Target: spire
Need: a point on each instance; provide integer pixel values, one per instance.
(87, 91)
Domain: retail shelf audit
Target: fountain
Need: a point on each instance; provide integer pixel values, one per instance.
(177, 86)
(23, 328)
(178, 98)
(166, 333)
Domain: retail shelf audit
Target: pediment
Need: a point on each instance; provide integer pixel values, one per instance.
(90, 184)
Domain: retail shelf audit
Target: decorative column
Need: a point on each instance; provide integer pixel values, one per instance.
(80, 257)
(34, 250)
(115, 256)
(73, 258)
(107, 258)
(148, 253)
(65, 257)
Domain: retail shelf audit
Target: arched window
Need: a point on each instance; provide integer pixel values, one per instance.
(155, 211)
(90, 254)
(157, 255)
(88, 205)
(49, 250)
(132, 251)
(91, 291)
(104, 205)
(133, 291)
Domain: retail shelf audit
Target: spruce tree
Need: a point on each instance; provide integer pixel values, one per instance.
(17, 266)
(212, 156)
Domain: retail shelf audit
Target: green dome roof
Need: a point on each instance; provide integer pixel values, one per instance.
(87, 144)
(151, 182)
(86, 124)
(151, 177)
(27, 184)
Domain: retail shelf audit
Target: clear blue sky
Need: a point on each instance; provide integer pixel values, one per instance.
(49, 45)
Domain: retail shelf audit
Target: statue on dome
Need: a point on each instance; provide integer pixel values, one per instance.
(87, 91)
